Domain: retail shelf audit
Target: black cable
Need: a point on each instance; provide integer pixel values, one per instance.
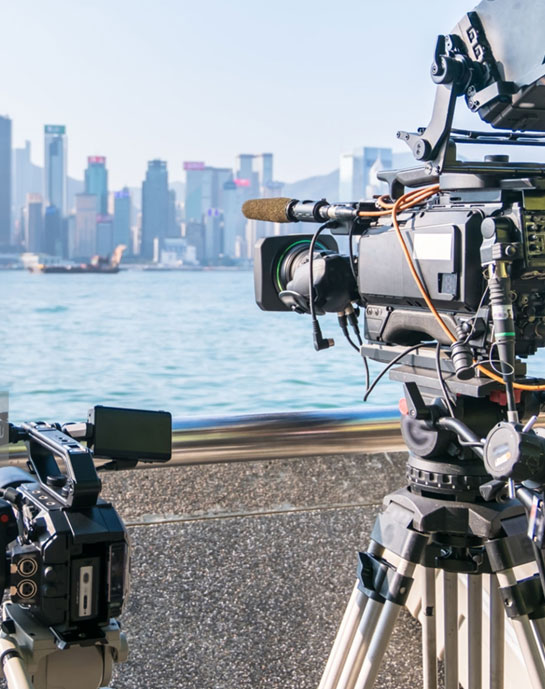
(464, 433)
(444, 388)
(343, 319)
(319, 341)
(388, 367)
(351, 341)
(353, 320)
(367, 374)
(479, 307)
(311, 271)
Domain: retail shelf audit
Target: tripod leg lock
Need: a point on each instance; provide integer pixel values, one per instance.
(524, 598)
(380, 581)
(8, 654)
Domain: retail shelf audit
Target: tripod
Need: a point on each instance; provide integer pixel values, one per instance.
(440, 527)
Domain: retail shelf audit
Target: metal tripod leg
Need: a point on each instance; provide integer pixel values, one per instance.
(529, 644)
(429, 631)
(351, 632)
(13, 667)
(344, 638)
(474, 630)
(497, 635)
(381, 637)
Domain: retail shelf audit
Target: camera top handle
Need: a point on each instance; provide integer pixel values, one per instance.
(79, 487)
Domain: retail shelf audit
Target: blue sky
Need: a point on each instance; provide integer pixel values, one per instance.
(179, 80)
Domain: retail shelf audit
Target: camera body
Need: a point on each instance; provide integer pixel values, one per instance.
(71, 569)
(451, 240)
(65, 550)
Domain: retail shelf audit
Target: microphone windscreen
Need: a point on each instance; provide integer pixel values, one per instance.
(269, 210)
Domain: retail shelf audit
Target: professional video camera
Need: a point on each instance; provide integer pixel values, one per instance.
(450, 277)
(66, 558)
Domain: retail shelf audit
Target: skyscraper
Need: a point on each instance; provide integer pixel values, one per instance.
(34, 223)
(105, 235)
(27, 177)
(55, 166)
(96, 181)
(233, 220)
(358, 172)
(247, 179)
(54, 242)
(85, 239)
(155, 202)
(122, 219)
(264, 169)
(204, 203)
(5, 182)
(173, 229)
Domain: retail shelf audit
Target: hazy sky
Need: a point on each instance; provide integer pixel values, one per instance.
(208, 79)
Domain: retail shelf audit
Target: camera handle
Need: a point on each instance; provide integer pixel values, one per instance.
(79, 486)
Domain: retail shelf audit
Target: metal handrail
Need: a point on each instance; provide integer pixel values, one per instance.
(206, 440)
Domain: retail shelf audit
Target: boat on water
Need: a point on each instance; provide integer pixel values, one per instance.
(97, 264)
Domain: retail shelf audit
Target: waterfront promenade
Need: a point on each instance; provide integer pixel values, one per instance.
(241, 571)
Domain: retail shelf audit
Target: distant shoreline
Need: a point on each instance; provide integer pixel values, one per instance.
(151, 268)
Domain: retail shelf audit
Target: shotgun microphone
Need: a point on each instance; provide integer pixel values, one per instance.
(292, 210)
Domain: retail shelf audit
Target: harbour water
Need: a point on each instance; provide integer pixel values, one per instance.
(194, 343)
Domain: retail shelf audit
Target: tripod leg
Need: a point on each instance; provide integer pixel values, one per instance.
(383, 632)
(429, 631)
(352, 638)
(360, 644)
(539, 629)
(525, 636)
(474, 628)
(450, 610)
(497, 635)
(344, 638)
(13, 667)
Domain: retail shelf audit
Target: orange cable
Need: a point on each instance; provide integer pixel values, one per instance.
(407, 201)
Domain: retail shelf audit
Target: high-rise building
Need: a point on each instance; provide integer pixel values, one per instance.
(233, 220)
(27, 177)
(264, 169)
(96, 181)
(155, 203)
(85, 235)
(358, 170)
(122, 219)
(173, 229)
(5, 182)
(194, 172)
(34, 223)
(204, 204)
(55, 146)
(54, 241)
(105, 235)
(247, 179)
(194, 235)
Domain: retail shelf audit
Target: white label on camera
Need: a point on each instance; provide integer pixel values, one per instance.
(502, 312)
(432, 247)
(86, 591)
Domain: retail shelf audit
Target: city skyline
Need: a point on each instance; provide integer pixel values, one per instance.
(215, 80)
